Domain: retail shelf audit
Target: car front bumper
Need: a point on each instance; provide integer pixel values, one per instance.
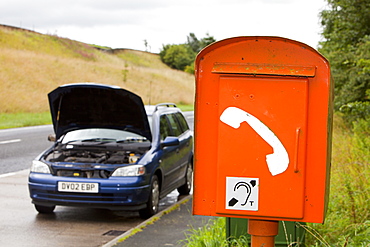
(123, 193)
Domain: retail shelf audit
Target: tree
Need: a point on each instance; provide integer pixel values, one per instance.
(177, 56)
(147, 46)
(182, 56)
(194, 43)
(346, 44)
(197, 45)
(207, 41)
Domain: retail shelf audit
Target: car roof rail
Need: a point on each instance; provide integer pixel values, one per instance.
(164, 105)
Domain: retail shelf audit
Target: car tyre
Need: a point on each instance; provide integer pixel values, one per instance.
(153, 202)
(44, 209)
(186, 188)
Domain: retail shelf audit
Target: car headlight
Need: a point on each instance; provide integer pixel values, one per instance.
(39, 167)
(127, 171)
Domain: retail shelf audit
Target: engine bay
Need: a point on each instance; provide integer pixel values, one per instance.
(93, 161)
(96, 157)
(98, 154)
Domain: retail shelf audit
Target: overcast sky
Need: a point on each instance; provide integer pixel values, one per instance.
(127, 23)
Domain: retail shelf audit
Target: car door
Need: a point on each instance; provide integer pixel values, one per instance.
(170, 157)
(186, 144)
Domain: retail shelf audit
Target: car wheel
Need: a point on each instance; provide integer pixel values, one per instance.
(44, 209)
(186, 188)
(153, 202)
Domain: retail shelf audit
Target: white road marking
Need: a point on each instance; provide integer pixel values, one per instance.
(10, 141)
(7, 174)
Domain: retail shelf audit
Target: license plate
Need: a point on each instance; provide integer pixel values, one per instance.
(78, 187)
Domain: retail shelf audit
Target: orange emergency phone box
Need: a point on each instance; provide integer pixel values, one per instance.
(263, 117)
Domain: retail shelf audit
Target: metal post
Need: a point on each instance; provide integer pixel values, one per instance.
(263, 232)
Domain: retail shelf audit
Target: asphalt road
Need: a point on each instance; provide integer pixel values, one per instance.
(21, 225)
(19, 146)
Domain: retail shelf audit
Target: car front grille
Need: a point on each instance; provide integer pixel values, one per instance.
(79, 197)
(83, 173)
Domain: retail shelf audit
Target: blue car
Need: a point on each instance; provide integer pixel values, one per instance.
(110, 151)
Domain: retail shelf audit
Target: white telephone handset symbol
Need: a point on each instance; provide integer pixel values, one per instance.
(278, 161)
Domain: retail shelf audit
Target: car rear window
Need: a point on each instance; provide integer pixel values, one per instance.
(182, 121)
(175, 125)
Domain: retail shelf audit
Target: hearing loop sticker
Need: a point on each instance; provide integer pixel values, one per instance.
(242, 193)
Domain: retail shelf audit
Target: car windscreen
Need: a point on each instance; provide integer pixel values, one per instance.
(100, 134)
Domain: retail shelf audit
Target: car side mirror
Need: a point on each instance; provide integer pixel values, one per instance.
(170, 141)
(51, 138)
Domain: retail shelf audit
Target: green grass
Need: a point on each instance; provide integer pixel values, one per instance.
(15, 120)
(212, 234)
(185, 107)
(348, 218)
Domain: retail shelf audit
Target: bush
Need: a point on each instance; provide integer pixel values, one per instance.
(355, 111)
(348, 218)
(177, 56)
(182, 56)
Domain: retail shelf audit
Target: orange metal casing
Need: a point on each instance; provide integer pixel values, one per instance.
(279, 86)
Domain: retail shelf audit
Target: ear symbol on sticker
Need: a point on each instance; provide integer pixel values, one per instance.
(248, 188)
(278, 161)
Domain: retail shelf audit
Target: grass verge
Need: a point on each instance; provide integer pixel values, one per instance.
(16, 120)
(212, 234)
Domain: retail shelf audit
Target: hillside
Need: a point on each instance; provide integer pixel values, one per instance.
(33, 64)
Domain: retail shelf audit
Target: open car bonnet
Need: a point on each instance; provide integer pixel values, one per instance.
(89, 105)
